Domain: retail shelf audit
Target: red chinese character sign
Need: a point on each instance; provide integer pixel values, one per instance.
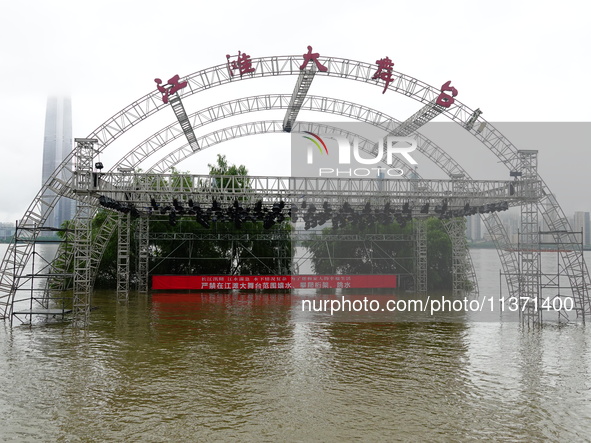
(444, 99)
(314, 58)
(242, 64)
(384, 71)
(170, 88)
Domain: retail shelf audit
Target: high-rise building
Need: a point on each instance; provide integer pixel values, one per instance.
(57, 145)
(582, 223)
(473, 227)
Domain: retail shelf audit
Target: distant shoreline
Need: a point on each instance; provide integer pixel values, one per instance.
(491, 245)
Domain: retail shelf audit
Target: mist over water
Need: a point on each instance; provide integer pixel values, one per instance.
(249, 367)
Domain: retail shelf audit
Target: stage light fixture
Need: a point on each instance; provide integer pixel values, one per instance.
(172, 218)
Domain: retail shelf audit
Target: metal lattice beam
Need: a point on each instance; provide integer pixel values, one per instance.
(418, 119)
(420, 234)
(123, 256)
(143, 254)
(85, 152)
(463, 276)
(181, 115)
(296, 236)
(530, 303)
(140, 187)
(297, 98)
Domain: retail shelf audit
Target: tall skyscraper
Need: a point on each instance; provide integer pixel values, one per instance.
(473, 229)
(582, 222)
(57, 144)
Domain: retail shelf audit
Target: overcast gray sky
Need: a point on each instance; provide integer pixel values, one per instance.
(516, 61)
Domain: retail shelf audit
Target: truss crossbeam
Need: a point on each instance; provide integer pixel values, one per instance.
(297, 99)
(293, 235)
(140, 188)
(418, 119)
(181, 115)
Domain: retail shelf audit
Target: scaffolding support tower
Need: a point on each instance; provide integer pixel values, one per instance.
(463, 278)
(143, 254)
(420, 233)
(530, 301)
(83, 183)
(123, 255)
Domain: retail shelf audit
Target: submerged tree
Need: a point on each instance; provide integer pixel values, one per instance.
(333, 256)
(224, 255)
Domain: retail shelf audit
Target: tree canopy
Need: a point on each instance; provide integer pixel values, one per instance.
(333, 256)
(221, 256)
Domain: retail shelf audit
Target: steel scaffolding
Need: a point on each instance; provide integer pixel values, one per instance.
(123, 255)
(34, 302)
(420, 234)
(83, 180)
(143, 254)
(463, 281)
(60, 184)
(463, 276)
(418, 119)
(558, 300)
(297, 98)
(530, 302)
(181, 115)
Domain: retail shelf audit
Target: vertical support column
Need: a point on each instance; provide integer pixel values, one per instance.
(124, 228)
(420, 234)
(506, 250)
(83, 185)
(143, 254)
(463, 278)
(530, 302)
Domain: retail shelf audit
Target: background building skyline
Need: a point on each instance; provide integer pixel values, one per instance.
(581, 222)
(57, 144)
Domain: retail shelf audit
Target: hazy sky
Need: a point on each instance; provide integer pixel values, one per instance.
(517, 61)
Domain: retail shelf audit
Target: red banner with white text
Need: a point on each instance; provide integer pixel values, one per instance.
(279, 282)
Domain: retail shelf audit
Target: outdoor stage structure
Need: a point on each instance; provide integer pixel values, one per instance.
(129, 194)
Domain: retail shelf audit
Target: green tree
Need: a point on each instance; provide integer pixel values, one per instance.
(226, 257)
(439, 256)
(332, 256)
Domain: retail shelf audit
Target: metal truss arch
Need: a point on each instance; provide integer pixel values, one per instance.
(363, 72)
(242, 130)
(109, 225)
(276, 66)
